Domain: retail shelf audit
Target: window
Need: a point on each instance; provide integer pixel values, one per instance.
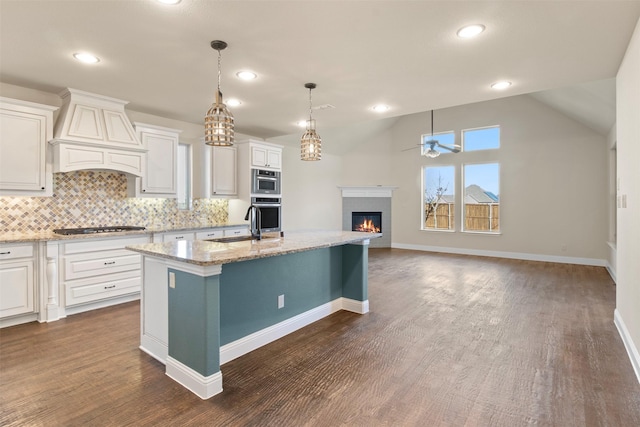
(481, 212)
(481, 139)
(184, 176)
(438, 198)
(446, 138)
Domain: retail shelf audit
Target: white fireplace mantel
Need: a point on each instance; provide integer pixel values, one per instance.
(367, 191)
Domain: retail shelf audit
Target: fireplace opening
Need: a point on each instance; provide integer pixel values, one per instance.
(367, 222)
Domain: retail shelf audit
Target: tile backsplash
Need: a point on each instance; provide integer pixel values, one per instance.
(99, 198)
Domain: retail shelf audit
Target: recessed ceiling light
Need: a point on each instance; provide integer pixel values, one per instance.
(380, 108)
(470, 31)
(246, 75)
(233, 102)
(169, 1)
(87, 58)
(501, 85)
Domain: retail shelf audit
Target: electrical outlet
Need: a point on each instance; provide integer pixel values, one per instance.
(281, 301)
(172, 280)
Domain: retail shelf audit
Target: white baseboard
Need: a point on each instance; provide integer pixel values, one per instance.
(501, 254)
(203, 387)
(632, 350)
(360, 307)
(244, 345)
(18, 320)
(154, 348)
(100, 304)
(611, 272)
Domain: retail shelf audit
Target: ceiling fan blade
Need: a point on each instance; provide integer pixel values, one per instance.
(452, 148)
(412, 148)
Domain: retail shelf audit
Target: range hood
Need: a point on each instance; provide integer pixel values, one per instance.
(93, 132)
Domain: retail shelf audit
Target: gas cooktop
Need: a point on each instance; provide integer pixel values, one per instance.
(92, 230)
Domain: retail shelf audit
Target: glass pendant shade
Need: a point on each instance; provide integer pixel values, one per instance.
(219, 124)
(311, 143)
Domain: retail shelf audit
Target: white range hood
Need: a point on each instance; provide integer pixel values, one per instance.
(93, 132)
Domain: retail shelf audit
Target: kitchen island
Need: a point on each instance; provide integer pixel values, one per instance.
(204, 303)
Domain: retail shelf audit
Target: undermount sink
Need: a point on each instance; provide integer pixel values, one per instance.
(237, 239)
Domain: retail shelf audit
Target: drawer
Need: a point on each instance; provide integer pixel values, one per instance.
(102, 244)
(15, 251)
(172, 237)
(100, 263)
(236, 232)
(97, 288)
(209, 234)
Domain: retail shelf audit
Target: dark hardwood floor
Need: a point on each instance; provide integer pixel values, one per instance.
(450, 341)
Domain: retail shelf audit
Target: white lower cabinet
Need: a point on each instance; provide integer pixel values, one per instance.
(173, 237)
(17, 280)
(98, 270)
(236, 231)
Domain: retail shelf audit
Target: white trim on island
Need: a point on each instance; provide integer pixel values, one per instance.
(203, 387)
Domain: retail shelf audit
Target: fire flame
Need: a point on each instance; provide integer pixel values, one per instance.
(367, 226)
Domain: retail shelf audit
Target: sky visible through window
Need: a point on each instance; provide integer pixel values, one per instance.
(481, 139)
(485, 175)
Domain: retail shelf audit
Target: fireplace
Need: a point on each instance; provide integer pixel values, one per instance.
(368, 222)
(371, 204)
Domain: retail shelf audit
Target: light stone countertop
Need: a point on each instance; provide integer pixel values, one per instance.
(205, 253)
(49, 235)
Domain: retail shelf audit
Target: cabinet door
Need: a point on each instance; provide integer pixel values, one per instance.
(23, 139)
(160, 176)
(224, 171)
(274, 159)
(16, 288)
(258, 156)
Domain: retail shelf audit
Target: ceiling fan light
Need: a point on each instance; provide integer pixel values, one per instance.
(431, 153)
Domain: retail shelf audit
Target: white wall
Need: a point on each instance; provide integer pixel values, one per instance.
(311, 199)
(553, 181)
(628, 219)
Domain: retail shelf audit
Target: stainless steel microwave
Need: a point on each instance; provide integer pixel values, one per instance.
(265, 182)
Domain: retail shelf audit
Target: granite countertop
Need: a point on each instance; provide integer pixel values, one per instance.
(49, 235)
(205, 253)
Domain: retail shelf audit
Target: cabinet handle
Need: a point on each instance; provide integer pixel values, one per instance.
(5, 253)
(110, 287)
(42, 188)
(109, 263)
(179, 237)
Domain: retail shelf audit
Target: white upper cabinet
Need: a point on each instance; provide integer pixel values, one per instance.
(215, 174)
(223, 174)
(25, 129)
(266, 156)
(159, 178)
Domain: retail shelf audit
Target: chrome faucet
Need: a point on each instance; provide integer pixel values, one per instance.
(256, 219)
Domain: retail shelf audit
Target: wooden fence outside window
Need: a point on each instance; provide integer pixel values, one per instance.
(477, 217)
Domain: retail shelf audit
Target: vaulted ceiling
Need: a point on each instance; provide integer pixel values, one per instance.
(402, 53)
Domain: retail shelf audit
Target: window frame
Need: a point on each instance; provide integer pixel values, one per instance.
(462, 139)
(423, 219)
(463, 184)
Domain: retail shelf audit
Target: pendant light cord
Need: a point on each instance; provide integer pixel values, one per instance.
(310, 106)
(219, 67)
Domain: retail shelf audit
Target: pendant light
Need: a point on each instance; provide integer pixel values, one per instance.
(218, 123)
(311, 143)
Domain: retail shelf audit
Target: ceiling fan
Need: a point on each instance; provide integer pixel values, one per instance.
(432, 143)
